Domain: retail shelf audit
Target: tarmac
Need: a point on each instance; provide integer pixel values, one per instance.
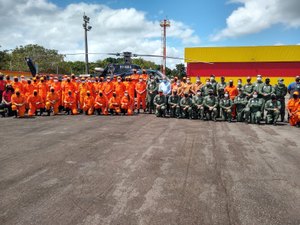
(143, 170)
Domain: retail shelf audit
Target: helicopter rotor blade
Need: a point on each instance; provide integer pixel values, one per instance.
(169, 57)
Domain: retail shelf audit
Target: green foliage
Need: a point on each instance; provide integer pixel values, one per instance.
(50, 61)
(4, 60)
(46, 59)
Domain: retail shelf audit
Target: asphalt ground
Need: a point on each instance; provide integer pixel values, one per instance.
(146, 170)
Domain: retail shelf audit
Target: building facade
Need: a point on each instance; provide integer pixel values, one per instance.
(240, 62)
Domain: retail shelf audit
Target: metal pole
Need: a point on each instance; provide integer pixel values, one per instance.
(86, 51)
(165, 49)
(86, 28)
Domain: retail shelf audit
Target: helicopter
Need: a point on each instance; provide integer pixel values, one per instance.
(116, 69)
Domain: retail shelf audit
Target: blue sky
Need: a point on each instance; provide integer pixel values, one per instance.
(133, 25)
(205, 17)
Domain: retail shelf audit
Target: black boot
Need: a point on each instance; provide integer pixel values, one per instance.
(48, 112)
(41, 112)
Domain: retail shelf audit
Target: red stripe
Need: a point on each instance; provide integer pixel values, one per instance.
(269, 69)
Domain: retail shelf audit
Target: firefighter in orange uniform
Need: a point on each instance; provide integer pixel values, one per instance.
(135, 77)
(88, 104)
(18, 85)
(23, 81)
(35, 83)
(28, 88)
(52, 101)
(233, 92)
(58, 90)
(70, 103)
(293, 108)
(83, 89)
(126, 104)
(101, 104)
(18, 104)
(35, 102)
(43, 89)
(144, 75)
(114, 104)
(108, 88)
(140, 89)
(120, 88)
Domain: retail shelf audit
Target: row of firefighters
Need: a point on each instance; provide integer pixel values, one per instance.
(179, 98)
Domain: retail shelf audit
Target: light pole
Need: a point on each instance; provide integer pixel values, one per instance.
(86, 28)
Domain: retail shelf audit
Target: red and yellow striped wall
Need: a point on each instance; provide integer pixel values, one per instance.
(240, 62)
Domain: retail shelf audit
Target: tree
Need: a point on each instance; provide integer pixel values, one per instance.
(4, 60)
(47, 60)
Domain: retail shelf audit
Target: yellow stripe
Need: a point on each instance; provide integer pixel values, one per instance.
(289, 53)
(274, 80)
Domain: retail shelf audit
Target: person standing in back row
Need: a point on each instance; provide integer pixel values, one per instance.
(141, 93)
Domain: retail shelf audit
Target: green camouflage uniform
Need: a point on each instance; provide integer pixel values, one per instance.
(210, 104)
(253, 110)
(280, 90)
(248, 90)
(226, 106)
(174, 108)
(152, 88)
(240, 101)
(273, 111)
(198, 108)
(186, 107)
(160, 105)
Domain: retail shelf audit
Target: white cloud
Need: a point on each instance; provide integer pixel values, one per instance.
(257, 15)
(114, 30)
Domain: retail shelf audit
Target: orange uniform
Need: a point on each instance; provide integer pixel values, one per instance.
(232, 91)
(83, 89)
(108, 89)
(114, 104)
(126, 105)
(43, 90)
(58, 90)
(52, 100)
(88, 105)
(18, 104)
(35, 102)
(101, 103)
(28, 90)
(140, 89)
(130, 88)
(135, 78)
(70, 103)
(144, 76)
(18, 85)
(293, 107)
(120, 89)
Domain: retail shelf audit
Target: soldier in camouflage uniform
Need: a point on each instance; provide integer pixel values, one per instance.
(160, 104)
(248, 88)
(221, 87)
(198, 108)
(272, 107)
(253, 109)
(205, 89)
(280, 90)
(265, 93)
(210, 104)
(186, 106)
(173, 102)
(241, 102)
(226, 107)
(152, 88)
